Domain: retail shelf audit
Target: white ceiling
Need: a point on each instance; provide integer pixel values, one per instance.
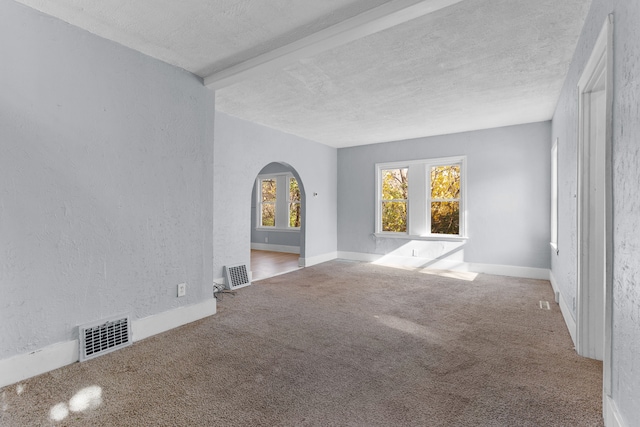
(470, 64)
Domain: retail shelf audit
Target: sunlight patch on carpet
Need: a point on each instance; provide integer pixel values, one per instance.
(59, 412)
(460, 275)
(84, 400)
(467, 276)
(408, 327)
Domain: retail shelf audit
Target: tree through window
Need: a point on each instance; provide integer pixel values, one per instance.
(445, 199)
(294, 203)
(268, 189)
(278, 204)
(395, 196)
(436, 194)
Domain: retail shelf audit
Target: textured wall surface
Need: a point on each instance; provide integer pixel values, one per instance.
(507, 196)
(106, 182)
(626, 178)
(241, 150)
(626, 199)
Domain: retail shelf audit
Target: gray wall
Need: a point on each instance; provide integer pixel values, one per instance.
(626, 199)
(275, 237)
(508, 180)
(105, 181)
(241, 150)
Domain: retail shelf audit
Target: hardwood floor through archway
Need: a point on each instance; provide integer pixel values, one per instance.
(266, 264)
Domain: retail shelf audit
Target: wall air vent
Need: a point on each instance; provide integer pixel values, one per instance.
(236, 276)
(104, 337)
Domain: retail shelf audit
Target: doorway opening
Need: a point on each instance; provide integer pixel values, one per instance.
(277, 221)
(594, 248)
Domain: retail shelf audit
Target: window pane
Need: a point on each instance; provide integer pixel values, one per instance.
(445, 182)
(395, 184)
(294, 190)
(394, 216)
(268, 214)
(445, 217)
(554, 194)
(294, 214)
(268, 190)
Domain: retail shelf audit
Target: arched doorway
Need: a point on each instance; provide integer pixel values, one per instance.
(277, 221)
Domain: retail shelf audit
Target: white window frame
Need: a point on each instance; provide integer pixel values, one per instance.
(419, 198)
(554, 196)
(380, 200)
(281, 204)
(260, 202)
(290, 201)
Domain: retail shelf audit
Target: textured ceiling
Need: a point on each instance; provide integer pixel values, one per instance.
(476, 64)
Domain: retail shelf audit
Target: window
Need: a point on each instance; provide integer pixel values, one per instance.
(445, 199)
(278, 202)
(294, 203)
(395, 197)
(421, 198)
(268, 189)
(554, 196)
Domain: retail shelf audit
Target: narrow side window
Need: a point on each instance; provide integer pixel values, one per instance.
(554, 195)
(268, 202)
(394, 198)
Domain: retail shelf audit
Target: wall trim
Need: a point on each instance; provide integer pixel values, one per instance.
(318, 259)
(359, 256)
(27, 365)
(167, 320)
(275, 248)
(612, 417)
(500, 270)
(564, 309)
(22, 366)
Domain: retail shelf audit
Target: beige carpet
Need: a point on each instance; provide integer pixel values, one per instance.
(338, 344)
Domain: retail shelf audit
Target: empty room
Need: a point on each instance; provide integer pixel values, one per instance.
(299, 213)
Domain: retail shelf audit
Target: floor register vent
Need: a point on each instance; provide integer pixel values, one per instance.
(236, 276)
(104, 337)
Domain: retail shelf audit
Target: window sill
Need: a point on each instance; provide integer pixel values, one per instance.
(435, 237)
(277, 229)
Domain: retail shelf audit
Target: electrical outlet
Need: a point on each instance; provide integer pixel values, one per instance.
(182, 289)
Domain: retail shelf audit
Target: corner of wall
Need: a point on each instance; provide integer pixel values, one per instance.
(318, 259)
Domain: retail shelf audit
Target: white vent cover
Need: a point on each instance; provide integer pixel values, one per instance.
(236, 276)
(104, 337)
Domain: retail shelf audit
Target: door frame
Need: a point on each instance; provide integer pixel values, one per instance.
(594, 299)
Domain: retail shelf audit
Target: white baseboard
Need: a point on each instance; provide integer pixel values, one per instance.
(275, 248)
(22, 366)
(564, 309)
(417, 262)
(511, 270)
(612, 417)
(162, 322)
(318, 259)
(359, 256)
